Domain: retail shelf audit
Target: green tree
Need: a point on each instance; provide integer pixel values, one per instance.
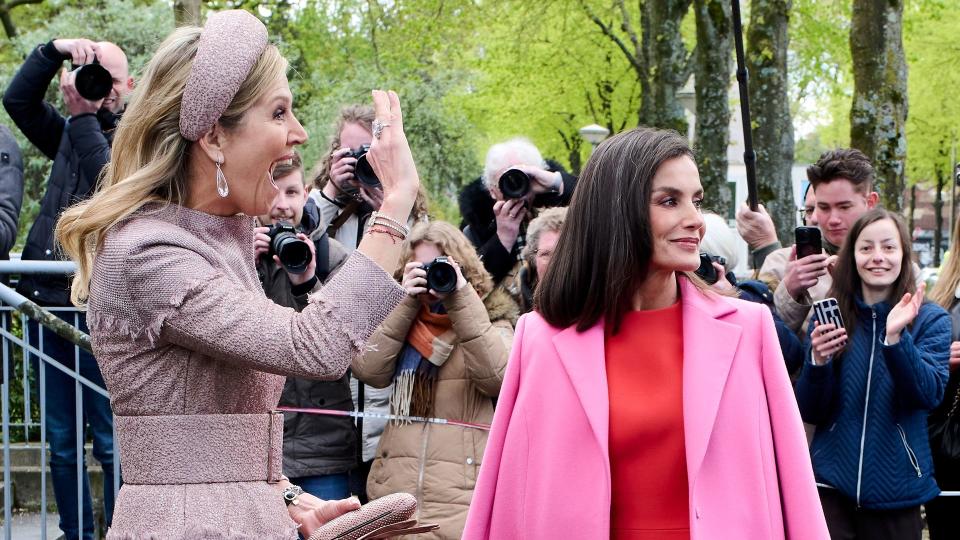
(767, 43)
(879, 113)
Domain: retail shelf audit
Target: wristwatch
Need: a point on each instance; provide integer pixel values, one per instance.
(291, 494)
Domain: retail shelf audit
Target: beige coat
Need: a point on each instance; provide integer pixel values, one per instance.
(439, 463)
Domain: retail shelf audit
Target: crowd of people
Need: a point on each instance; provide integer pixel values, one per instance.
(575, 359)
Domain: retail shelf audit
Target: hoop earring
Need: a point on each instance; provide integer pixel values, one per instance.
(222, 188)
(272, 181)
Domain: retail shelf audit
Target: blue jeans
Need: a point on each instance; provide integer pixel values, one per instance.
(326, 487)
(62, 430)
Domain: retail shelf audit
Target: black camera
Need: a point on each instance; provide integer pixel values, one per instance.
(514, 184)
(293, 252)
(362, 170)
(706, 271)
(441, 275)
(93, 81)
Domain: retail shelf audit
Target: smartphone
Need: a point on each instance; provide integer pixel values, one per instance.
(827, 311)
(808, 241)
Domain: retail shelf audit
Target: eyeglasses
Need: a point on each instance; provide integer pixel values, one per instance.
(543, 255)
(805, 214)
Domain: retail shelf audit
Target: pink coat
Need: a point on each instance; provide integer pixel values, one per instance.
(546, 470)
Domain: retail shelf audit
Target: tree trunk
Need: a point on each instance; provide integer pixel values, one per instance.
(878, 117)
(657, 55)
(186, 12)
(938, 217)
(913, 208)
(712, 70)
(766, 52)
(668, 65)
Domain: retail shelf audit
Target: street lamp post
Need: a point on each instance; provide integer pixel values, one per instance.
(594, 134)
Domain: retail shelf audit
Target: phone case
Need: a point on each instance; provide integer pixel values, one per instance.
(385, 517)
(827, 311)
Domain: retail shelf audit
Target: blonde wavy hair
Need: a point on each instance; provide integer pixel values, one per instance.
(452, 243)
(944, 291)
(150, 157)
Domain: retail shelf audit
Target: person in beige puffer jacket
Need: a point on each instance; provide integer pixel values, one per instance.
(447, 354)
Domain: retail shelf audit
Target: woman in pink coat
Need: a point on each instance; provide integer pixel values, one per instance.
(637, 404)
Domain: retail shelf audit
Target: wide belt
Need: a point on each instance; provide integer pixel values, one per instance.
(200, 448)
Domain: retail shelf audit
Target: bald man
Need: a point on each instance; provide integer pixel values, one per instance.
(79, 145)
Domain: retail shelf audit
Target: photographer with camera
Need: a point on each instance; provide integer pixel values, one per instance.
(319, 451)
(344, 196)
(516, 183)
(444, 350)
(79, 145)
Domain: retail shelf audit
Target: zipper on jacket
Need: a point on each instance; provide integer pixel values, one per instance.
(423, 465)
(912, 456)
(866, 404)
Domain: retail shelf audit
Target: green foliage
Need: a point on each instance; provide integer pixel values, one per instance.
(138, 27)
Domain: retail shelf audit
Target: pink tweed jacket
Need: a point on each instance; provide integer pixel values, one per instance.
(195, 356)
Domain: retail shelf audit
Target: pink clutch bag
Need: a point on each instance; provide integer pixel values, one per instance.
(385, 517)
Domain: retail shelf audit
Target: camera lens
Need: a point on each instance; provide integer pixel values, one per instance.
(514, 184)
(364, 172)
(441, 276)
(93, 81)
(294, 253)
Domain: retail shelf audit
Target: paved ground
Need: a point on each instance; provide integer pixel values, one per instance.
(28, 526)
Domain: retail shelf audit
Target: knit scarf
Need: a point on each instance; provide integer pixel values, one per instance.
(428, 346)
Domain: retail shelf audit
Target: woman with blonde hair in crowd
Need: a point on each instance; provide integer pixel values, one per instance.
(942, 512)
(193, 353)
(446, 353)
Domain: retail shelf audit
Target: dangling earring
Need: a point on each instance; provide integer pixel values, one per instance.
(222, 188)
(272, 181)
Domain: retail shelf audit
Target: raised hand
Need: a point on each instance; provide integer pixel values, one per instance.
(903, 314)
(804, 273)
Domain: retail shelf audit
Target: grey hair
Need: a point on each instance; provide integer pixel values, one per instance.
(720, 239)
(550, 219)
(516, 151)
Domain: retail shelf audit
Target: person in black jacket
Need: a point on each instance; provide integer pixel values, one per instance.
(319, 451)
(79, 146)
(11, 190)
(496, 225)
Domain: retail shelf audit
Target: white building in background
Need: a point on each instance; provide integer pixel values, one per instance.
(737, 171)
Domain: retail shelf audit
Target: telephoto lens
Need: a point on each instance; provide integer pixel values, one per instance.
(514, 184)
(441, 275)
(294, 254)
(93, 81)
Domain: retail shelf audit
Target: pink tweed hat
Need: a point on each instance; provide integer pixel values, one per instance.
(231, 43)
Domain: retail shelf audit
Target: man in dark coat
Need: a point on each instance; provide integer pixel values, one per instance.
(79, 146)
(495, 223)
(11, 190)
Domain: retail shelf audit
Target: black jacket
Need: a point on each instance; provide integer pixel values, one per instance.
(480, 224)
(11, 190)
(79, 147)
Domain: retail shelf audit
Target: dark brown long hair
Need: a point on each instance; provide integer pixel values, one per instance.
(605, 246)
(847, 285)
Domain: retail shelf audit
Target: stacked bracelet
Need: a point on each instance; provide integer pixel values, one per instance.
(394, 235)
(376, 218)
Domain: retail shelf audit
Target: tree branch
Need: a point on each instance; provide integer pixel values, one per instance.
(627, 27)
(634, 61)
(16, 3)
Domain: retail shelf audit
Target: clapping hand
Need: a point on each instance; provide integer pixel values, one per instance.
(903, 314)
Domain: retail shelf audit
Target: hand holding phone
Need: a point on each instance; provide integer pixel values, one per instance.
(829, 335)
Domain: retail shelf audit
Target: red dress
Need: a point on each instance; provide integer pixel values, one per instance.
(647, 456)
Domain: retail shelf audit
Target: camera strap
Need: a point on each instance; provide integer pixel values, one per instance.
(348, 210)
